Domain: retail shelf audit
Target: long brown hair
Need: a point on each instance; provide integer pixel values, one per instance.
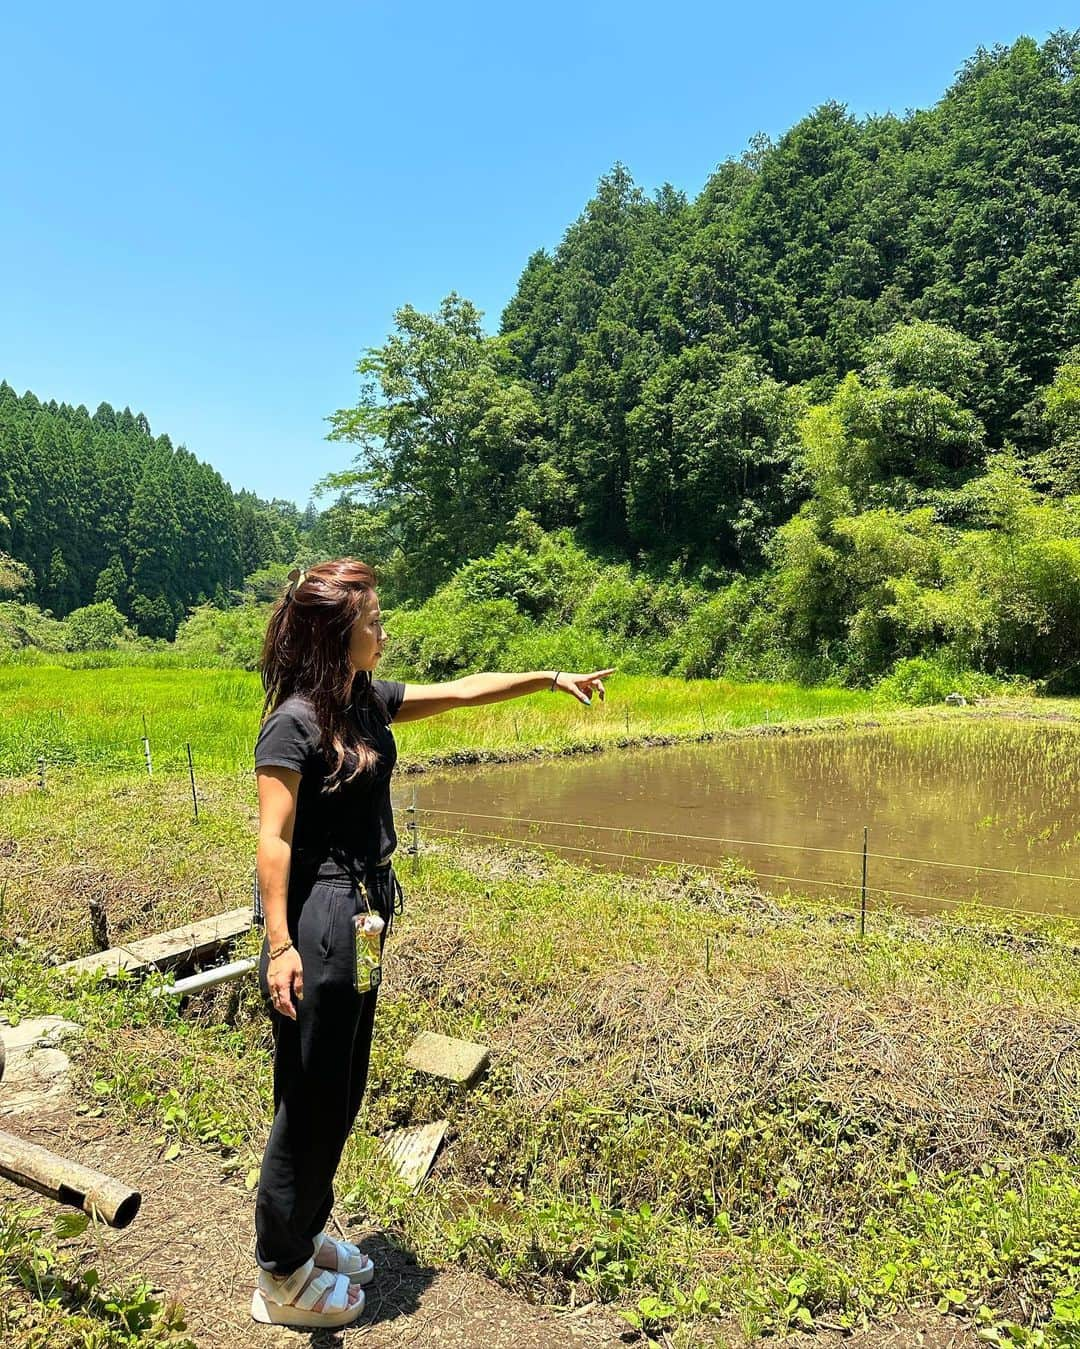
(306, 651)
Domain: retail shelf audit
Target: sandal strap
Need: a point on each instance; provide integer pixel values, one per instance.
(336, 1286)
(285, 1290)
(347, 1253)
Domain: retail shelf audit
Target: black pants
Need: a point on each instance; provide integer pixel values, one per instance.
(320, 1068)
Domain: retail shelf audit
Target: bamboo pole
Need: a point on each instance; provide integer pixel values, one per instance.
(67, 1182)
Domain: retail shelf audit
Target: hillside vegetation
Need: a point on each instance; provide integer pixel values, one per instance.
(819, 420)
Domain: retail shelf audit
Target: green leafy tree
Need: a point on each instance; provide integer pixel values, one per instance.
(714, 447)
(111, 586)
(1059, 464)
(900, 428)
(154, 535)
(445, 432)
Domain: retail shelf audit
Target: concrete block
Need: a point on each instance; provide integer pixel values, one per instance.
(443, 1056)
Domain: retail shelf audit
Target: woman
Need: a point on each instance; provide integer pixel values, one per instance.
(326, 832)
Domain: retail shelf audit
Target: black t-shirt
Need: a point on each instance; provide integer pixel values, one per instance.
(335, 832)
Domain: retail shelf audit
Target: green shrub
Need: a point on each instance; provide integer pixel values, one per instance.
(921, 680)
(449, 636)
(222, 637)
(96, 627)
(543, 575)
(566, 647)
(27, 626)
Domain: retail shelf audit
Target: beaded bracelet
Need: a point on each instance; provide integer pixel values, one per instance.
(281, 950)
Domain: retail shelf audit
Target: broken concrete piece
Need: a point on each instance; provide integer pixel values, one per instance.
(38, 1071)
(443, 1056)
(411, 1152)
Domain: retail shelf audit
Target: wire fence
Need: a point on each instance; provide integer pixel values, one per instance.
(754, 843)
(830, 884)
(144, 763)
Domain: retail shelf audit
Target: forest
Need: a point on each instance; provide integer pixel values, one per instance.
(820, 419)
(96, 508)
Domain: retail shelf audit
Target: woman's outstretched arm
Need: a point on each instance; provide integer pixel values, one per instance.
(428, 700)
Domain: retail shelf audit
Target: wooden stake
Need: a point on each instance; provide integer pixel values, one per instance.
(146, 748)
(194, 795)
(862, 902)
(99, 924)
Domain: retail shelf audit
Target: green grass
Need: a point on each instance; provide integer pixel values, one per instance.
(50, 1302)
(702, 1147)
(95, 717)
(718, 1109)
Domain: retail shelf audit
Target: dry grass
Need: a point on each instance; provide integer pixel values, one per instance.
(960, 1084)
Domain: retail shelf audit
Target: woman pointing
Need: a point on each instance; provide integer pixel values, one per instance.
(323, 760)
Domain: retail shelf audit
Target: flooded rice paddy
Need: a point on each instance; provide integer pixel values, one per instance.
(956, 811)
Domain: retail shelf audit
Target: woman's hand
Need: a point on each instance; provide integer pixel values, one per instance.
(285, 976)
(582, 686)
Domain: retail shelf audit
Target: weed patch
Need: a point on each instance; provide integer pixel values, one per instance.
(703, 1100)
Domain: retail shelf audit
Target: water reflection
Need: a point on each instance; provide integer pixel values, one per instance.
(939, 801)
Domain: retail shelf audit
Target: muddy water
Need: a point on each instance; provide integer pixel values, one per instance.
(963, 810)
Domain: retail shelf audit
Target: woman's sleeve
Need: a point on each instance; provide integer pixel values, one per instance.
(287, 740)
(392, 693)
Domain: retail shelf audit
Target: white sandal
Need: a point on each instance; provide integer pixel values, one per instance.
(350, 1259)
(290, 1301)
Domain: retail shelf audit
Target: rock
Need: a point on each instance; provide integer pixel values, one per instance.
(37, 1071)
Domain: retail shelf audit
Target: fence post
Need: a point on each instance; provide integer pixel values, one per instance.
(41, 772)
(862, 897)
(191, 771)
(99, 924)
(146, 748)
(414, 830)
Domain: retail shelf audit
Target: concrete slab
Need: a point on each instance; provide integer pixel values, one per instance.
(411, 1152)
(166, 949)
(443, 1056)
(37, 1072)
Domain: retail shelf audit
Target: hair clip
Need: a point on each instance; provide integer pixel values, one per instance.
(297, 577)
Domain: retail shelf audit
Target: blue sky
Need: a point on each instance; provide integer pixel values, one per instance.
(210, 210)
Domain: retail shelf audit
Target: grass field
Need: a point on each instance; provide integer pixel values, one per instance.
(787, 1126)
(709, 1106)
(96, 717)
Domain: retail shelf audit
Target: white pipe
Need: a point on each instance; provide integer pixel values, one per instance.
(222, 974)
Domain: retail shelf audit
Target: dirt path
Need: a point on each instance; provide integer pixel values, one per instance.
(192, 1241)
